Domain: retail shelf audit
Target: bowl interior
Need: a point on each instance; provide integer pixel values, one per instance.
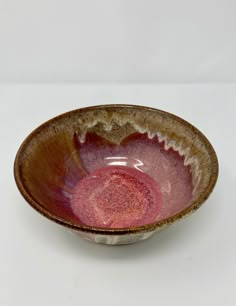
(115, 167)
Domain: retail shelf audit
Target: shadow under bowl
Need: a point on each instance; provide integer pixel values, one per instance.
(116, 174)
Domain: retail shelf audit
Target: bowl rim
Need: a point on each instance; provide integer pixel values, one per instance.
(118, 231)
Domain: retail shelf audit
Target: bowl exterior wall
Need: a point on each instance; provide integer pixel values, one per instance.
(115, 239)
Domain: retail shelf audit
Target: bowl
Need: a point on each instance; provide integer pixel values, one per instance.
(116, 174)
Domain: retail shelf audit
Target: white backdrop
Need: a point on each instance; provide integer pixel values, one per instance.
(118, 40)
(182, 41)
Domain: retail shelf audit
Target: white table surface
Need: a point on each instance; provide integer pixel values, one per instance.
(190, 263)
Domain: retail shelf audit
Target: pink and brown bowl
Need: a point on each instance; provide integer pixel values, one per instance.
(116, 174)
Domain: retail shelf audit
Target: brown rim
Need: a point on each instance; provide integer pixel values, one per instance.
(131, 230)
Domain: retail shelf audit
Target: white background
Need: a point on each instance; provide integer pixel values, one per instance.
(48, 51)
(118, 40)
(191, 263)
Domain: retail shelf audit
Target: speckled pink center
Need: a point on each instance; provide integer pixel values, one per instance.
(117, 197)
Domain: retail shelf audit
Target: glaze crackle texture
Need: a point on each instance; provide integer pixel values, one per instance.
(116, 174)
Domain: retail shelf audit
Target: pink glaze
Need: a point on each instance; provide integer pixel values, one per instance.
(117, 197)
(138, 151)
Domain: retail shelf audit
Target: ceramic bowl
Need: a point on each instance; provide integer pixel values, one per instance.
(116, 174)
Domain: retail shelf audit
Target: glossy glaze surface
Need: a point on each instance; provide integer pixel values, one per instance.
(173, 162)
(138, 174)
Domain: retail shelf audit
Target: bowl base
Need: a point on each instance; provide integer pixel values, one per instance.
(115, 239)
